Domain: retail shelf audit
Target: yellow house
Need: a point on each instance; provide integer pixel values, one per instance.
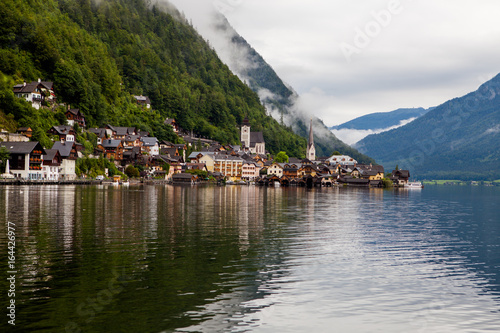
(371, 172)
(229, 166)
(276, 169)
(209, 162)
(307, 170)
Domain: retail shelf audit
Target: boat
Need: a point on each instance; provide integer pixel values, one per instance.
(414, 185)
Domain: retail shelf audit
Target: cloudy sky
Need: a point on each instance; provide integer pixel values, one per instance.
(349, 58)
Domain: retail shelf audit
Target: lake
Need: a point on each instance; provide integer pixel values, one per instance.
(250, 259)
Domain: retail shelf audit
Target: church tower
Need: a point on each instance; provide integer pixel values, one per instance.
(245, 133)
(311, 151)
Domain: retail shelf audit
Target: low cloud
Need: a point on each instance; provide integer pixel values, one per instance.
(493, 130)
(352, 136)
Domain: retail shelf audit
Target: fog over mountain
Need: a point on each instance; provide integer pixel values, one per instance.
(279, 98)
(375, 123)
(352, 136)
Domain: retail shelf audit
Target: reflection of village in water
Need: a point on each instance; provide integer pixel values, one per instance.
(66, 234)
(206, 258)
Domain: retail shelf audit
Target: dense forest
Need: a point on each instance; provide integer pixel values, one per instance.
(98, 56)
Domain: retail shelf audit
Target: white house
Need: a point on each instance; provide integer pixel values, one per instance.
(250, 171)
(150, 145)
(276, 169)
(51, 165)
(229, 166)
(69, 154)
(35, 92)
(342, 160)
(25, 160)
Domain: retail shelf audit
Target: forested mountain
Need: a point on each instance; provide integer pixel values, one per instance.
(99, 54)
(381, 120)
(278, 97)
(459, 139)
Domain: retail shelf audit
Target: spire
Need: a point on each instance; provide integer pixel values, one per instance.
(311, 136)
(245, 122)
(311, 151)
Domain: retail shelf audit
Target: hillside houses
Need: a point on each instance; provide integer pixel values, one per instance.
(129, 146)
(36, 92)
(63, 132)
(74, 116)
(143, 101)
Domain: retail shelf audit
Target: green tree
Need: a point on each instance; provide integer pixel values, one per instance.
(4, 157)
(132, 172)
(281, 157)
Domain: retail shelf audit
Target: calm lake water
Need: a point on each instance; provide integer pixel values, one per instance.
(250, 259)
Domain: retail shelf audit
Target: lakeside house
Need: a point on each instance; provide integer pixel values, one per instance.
(51, 164)
(250, 171)
(276, 169)
(185, 178)
(230, 166)
(400, 177)
(69, 154)
(25, 160)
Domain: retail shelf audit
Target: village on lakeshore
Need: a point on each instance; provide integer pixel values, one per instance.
(134, 154)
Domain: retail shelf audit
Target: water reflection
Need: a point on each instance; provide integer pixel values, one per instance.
(244, 258)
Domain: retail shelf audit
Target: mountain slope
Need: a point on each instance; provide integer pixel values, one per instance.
(459, 139)
(381, 120)
(100, 53)
(278, 97)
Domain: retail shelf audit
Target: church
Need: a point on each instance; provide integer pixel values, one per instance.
(252, 141)
(311, 151)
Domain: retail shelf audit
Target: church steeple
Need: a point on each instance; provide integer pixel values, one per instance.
(311, 151)
(245, 133)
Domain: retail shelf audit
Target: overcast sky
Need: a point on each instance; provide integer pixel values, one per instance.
(349, 58)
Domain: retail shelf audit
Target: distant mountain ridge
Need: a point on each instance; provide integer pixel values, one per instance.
(459, 139)
(381, 120)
